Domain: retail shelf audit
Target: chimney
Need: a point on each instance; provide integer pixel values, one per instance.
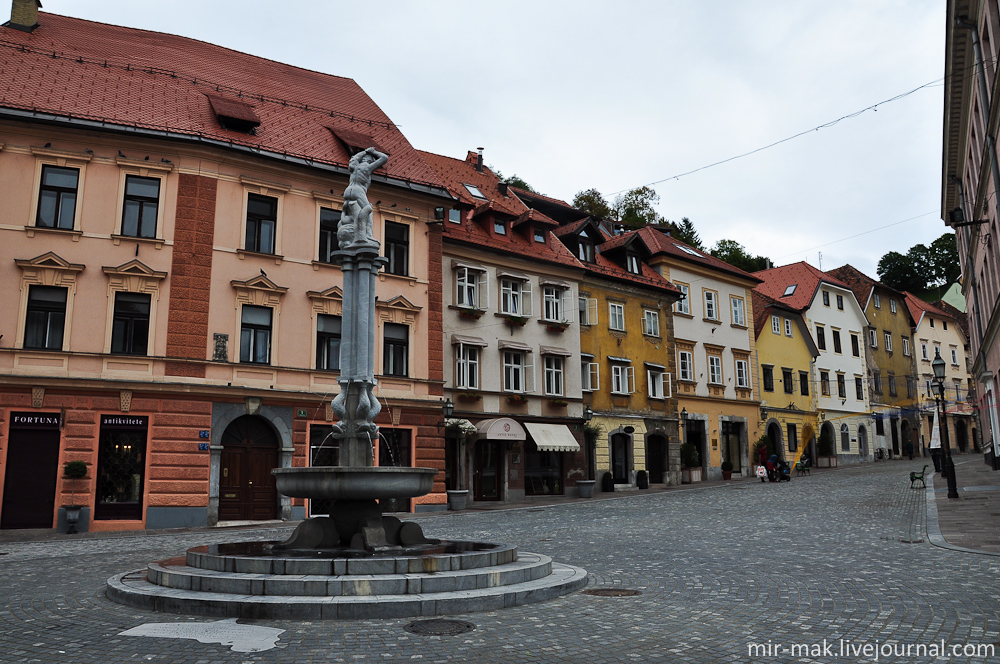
(479, 161)
(502, 188)
(24, 15)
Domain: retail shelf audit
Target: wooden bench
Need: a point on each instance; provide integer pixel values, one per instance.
(802, 467)
(918, 477)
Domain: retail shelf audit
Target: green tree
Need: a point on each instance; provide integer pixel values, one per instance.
(686, 232)
(898, 271)
(943, 259)
(924, 270)
(735, 254)
(635, 209)
(514, 181)
(593, 203)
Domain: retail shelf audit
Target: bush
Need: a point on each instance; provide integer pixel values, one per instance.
(689, 455)
(642, 479)
(74, 470)
(608, 483)
(727, 466)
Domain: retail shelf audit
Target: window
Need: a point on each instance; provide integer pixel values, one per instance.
(957, 384)
(585, 250)
(888, 342)
(788, 381)
(739, 312)
(139, 207)
(474, 190)
(657, 383)
(836, 341)
(130, 326)
(397, 248)
(788, 327)
(57, 197)
(776, 324)
(632, 264)
(923, 351)
(840, 302)
(931, 321)
(824, 383)
(499, 227)
(555, 303)
(892, 385)
(396, 350)
(622, 379)
(841, 386)
(954, 356)
(820, 337)
(768, 377)
(879, 426)
(877, 300)
(793, 438)
(789, 290)
(873, 338)
(515, 297)
(859, 388)
(855, 345)
(651, 322)
(455, 215)
(591, 375)
(877, 382)
(711, 305)
(470, 287)
(715, 369)
(329, 219)
(845, 438)
(262, 219)
(616, 313)
(588, 310)
(517, 371)
(944, 324)
(906, 346)
(742, 374)
(937, 351)
(553, 376)
(45, 318)
(804, 383)
(683, 305)
(539, 235)
(328, 342)
(255, 335)
(685, 365)
(466, 366)
(892, 305)
(826, 298)
(911, 387)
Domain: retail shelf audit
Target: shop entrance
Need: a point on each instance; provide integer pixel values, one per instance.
(656, 458)
(732, 433)
(487, 476)
(29, 489)
(619, 458)
(246, 487)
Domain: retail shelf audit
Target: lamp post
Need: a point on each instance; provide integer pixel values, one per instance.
(948, 469)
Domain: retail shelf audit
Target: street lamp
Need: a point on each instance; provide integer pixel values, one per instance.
(948, 469)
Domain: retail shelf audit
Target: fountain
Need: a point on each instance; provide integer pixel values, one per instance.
(356, 562)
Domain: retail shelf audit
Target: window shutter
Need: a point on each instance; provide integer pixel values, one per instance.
(651, 383)
(592, 311)
(567, 309)
(595, 376)
(483, 291)
(529, 373)
(526, 309)
(668, 385)
(630, 379)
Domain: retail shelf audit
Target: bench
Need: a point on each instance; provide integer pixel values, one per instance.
(802, 467)
(918, 477)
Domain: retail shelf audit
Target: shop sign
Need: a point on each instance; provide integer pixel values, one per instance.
(124, 421)
(35, 420)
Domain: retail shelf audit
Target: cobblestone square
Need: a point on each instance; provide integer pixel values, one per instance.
(841, 555)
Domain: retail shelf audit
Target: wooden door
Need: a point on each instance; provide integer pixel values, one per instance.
(619, 458)
(656, 458)
(247, 490)
(29, 490)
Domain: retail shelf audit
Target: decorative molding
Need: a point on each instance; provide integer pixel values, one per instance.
(330, 301)
(50, 261)
(259, 291)
(126, 400)
(144, 166)
(38, 397)
(397, 310)
(61, 154)
(264, 186)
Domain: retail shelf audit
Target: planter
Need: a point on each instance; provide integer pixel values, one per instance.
(586, 488)
(469, 396)
(727, 474)
(558, 328)
(517, 400)
(826, 462)
(642, 479)
(457, 499)
(690, 475)
(514, 321)
(72, 517)
(470, 314)
(558, 403)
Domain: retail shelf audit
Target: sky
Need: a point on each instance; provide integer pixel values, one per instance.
(580, 94)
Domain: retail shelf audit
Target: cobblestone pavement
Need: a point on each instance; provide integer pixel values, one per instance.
(843, 554)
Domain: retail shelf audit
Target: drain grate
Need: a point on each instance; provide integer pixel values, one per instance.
(612, 592)
(916, 541)
(439, 627)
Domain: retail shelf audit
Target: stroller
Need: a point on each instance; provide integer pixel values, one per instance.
(783, 472)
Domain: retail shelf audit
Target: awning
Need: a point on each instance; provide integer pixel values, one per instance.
(514, 345)
(552, 437)
(472, 266)
(468, 341)
(546, 281)
(619, 359)
(650, 364)
(500, 428)
(554, 350)
(512, 275)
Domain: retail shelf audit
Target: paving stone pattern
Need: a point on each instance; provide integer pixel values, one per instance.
(839, 555)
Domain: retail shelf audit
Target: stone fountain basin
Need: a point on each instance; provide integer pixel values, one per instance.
(342, 483)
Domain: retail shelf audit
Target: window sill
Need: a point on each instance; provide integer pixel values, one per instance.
(683, 314)
(712, 320)
(655, 337)
(738, 326)
(243, 253)
(383, 275)
(31, 230)
(118, 239)
(318, 265)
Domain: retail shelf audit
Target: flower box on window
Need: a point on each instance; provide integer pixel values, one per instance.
(515, 321)
(556, 326)
(470, 396)
(471, 314)
(517, 399)
(558, 403)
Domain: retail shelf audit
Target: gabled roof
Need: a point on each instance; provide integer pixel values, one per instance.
(111, 78)
(803, 276)
(763, 306)
(659, 242)
(918, 308)
(860, 283)
(606, 267)
(456, 173)
(956, 313)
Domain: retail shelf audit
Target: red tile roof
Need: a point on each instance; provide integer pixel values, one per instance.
(123, 77)
(456, 173)
(860, 283)
(761, 304)
(805, 277)
(956, 313)
(661, 243)
(918, 307)
(604, 266)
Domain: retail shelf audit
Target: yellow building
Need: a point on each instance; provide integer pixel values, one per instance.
(785, 355)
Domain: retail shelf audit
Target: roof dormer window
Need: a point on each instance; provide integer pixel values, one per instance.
(474, 190)
(235, 115)
(585, 250)
(540, 235)
(632, 264)
(790, 290)
(499, 227)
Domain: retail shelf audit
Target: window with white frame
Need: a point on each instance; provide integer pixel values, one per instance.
(923, 351)
(553, 375)
(892, 305)
(715, 369)
(471, 287)
(776, 324)
(466, 366)
(622, 379)
(588, 310)
(556, 304)
(616, 314)
(742, 374)
(651, 322)
(873, 338)
(888, 341)
(685, 365)
(878, 301)
(518, 372)
(632, 264)
(788, 327)
(711, 305)
(906, 346)
(937, 351)
(683, 305)
(590, 373)
(658, 382)
(515, 297)
(739, 311)
(954, 356)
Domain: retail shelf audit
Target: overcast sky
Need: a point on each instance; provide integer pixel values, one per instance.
(613, 95)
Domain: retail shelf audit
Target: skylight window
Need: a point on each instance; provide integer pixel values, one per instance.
(474, 190)
(789, 290)
(687, 250)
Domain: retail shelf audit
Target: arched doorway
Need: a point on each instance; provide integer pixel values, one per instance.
(657, 463)
(894, 429)
(827, 440)
(774, 444)
(863, 440)
(961, 436)
(906, 434)
(246, 486)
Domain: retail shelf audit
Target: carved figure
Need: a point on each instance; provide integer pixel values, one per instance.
(356, 218)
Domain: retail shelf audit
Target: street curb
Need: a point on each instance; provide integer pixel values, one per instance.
(934, 531)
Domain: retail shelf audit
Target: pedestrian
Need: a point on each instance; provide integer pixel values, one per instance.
(772, 468)
(908, 448)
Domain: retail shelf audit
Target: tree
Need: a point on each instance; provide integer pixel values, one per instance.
(897, 271)
(593, 203)
(634, 208)
(514, 181)
(735, 254)
(923, 269)
(943, 259)
(685, 232)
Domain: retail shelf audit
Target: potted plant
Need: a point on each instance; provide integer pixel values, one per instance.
(73, 471)
(471, 314)
(642, 479)
(556, 326)
(586, 488)
(457, 499)
(558, 403)
(607, 482)
(690, 463)
(824, 451)
(515, 321)
(470, 396)
(727, 470)
(517, 399)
